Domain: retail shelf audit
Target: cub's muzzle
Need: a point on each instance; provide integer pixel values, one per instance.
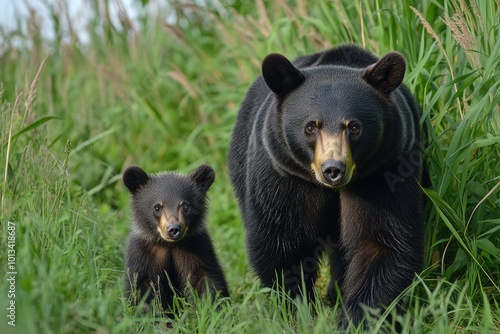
(172, 228)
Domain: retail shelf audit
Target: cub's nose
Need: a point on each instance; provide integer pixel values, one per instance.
(174, 231)
(333, 170)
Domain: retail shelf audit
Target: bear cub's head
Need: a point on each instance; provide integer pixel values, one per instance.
(168, 207)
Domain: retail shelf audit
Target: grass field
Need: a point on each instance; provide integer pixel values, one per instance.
(164, 95)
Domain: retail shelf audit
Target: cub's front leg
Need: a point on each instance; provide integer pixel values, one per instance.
(199, 268)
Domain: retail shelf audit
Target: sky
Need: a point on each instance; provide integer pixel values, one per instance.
(14, 11)
(8, 8)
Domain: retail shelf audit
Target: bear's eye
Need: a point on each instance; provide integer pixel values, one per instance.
(310, 128)
(157, 208)
(354, 128)
(185, 207)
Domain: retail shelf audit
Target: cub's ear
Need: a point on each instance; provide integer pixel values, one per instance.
(280, 74)
(387, 74)
(203, 177)
(134, 178)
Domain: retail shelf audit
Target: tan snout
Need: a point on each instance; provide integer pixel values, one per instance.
(332, 165)
(172, 227)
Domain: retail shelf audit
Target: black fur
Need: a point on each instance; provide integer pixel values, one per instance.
(369, 222)
(159, 267)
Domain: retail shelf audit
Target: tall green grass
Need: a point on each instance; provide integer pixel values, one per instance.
(164, 95)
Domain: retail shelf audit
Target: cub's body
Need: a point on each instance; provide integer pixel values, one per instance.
(169, 248)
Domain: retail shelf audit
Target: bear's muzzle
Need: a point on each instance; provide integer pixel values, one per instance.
(332, 165)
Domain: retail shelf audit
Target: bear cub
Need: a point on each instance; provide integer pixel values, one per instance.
(169, 248)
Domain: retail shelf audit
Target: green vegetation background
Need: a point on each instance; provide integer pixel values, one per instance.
(164, 95)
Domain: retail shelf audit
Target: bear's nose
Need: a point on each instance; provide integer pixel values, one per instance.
(174, 231)
(333, 170)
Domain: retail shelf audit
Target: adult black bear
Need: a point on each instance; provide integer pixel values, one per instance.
(169, 248)
(325, 156)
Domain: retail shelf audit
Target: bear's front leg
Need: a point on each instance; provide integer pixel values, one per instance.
(285, 262)
(286, 233)
(382, 234)
(336, 258)
(376, 275)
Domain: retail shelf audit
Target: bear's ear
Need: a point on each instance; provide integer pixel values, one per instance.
(134, 178)
(280, 74)
(387, 74)
(203, 177)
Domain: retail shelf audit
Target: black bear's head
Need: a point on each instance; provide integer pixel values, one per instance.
(334, 117)
(168, 206)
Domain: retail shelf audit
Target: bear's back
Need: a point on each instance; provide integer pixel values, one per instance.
(344, 55)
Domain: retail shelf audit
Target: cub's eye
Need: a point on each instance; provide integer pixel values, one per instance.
(185, 207)
(310, 128)
(157, 208)
(354, 128)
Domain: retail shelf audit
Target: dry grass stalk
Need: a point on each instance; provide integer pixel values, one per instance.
(28, 104)
(362, 24)
(477, 13)
(431, 31)
(123, 16)
(301, 8)
(343, 16)
(264, 22)
(180, 78)
(7, 154)
(457, 23)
